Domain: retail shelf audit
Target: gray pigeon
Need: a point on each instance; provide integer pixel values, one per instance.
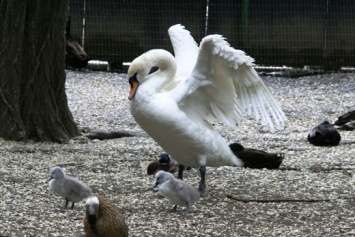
(70, 188)
(176, 190)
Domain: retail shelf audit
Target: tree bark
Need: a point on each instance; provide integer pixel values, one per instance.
(33, 102)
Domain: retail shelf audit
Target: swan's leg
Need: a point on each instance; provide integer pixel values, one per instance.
(66, 203)
(187, 208)
(181, 170)
(202, 185)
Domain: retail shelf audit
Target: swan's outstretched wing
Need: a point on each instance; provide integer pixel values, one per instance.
(185, 49)
(223, 85)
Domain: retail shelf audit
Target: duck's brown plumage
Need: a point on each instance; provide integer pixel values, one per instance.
(155, 166)
(257, 159)
(164, 163)
(106, 222)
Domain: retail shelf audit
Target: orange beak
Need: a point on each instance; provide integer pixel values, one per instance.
(134, 86)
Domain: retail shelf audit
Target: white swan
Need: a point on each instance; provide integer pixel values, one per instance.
(213, 81)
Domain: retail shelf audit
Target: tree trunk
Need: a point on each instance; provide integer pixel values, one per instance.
(33, 103)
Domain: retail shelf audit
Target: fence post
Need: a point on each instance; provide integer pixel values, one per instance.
(245, 16)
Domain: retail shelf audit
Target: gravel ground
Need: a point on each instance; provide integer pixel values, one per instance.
(311, 195)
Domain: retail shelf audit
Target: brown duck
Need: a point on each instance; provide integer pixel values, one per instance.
(103, 219)
(164, 163)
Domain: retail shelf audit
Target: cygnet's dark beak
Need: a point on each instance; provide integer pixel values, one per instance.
(156, 187)
(50, 179)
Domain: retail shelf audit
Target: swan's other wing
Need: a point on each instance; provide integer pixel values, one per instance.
(185, 49)
(223, 85)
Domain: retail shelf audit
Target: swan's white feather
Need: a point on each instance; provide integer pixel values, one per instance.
(185, 49)
(221, 85)
(231, 87)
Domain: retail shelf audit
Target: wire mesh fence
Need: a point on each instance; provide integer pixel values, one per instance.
(274, 32)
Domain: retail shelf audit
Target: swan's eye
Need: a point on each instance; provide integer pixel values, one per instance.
(133, 79)
(154, 69)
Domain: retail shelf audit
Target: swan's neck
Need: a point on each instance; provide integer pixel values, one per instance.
(167, 68)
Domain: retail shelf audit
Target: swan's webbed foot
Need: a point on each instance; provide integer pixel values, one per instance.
(174, 209)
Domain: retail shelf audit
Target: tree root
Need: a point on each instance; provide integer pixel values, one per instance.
(275, 200)
(315, 169)
(104, 134)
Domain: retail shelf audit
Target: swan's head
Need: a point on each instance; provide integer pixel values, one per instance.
(142, 65)
(56, 173)
(138, 70)
(162, 176)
